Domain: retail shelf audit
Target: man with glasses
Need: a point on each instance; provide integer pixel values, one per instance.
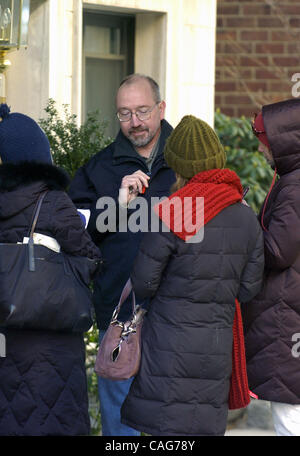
(133, 165)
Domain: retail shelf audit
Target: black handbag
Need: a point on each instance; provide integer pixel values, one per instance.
(43, 289)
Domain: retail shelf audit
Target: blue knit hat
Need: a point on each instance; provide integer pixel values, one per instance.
(21, 139)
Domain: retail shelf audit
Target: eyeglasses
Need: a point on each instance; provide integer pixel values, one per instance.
(141, 114)
(254, 131)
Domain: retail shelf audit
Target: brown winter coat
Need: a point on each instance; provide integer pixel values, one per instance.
(272, 320)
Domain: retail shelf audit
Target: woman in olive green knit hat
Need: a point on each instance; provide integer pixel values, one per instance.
(183, 385)
(194, 147)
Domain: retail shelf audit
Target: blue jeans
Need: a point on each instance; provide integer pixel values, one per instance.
(112, 394)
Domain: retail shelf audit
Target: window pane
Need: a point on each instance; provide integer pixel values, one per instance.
(101, 40)
(102, 81)
(96, 40)
(108, 49)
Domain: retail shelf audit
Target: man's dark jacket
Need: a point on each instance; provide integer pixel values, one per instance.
(272, 319)
(101, 177)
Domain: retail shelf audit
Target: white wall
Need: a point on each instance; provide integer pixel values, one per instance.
(175, 43)
(50, 67)
(27, 82)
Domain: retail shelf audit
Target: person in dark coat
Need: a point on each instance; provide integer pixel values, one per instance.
(43, 385)
(132, 166)
(193, 270)
(272, 319)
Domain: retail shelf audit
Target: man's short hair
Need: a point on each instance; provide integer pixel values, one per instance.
(132, 78)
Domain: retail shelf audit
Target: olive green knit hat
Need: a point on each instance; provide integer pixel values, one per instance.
(192, 147)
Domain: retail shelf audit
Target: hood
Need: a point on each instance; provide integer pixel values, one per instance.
(21, 184)
(282, 125)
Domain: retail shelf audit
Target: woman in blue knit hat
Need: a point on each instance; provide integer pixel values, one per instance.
(43, 388)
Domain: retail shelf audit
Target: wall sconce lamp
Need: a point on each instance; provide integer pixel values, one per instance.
(14, 19)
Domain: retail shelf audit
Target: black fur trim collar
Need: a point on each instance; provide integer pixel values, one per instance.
(24, 173)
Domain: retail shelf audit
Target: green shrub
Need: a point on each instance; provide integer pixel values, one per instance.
(241, 147)
(91, 346)
(72, 145)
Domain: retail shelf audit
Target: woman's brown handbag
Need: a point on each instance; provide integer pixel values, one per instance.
(119, 354)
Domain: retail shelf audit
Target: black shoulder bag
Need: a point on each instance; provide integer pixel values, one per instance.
(42, 289)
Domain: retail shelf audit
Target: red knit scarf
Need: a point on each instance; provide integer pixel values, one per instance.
(220, 188)
(184, 213)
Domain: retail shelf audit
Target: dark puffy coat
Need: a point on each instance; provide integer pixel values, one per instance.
(43, 387)
(273, 318)
(102, 177)
(183, 383)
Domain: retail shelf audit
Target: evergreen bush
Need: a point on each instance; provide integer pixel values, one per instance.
(241, 147)
(72, 145)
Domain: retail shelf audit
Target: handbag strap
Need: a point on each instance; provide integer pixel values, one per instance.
(124, 295)
(31, 261)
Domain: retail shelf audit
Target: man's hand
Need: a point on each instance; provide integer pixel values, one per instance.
(131, 186)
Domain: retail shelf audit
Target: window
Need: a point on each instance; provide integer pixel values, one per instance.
(108, 48)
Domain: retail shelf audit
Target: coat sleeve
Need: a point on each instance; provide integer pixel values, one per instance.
(252, 276)
(81, 191)
(83, 194)
(68, 229)
(152, 258)
(282, 240)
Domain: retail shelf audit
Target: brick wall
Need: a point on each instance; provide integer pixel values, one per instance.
(257, 52)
